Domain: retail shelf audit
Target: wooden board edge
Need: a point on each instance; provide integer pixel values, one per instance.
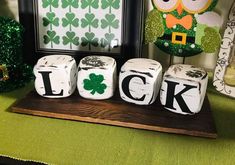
(115, 123)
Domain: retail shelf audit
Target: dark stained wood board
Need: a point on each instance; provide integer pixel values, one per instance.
(119, 113)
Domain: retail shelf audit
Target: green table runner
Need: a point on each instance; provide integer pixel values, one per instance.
(57, 141)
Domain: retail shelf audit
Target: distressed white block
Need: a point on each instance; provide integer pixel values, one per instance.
(140, 81)
(97, 77)
(183, 89)
(56, 76)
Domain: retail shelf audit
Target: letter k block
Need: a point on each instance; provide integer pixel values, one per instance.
(183, 89)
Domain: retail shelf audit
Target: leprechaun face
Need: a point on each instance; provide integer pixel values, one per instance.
(190, 6)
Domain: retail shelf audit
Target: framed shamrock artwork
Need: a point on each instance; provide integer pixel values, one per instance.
(82, 27)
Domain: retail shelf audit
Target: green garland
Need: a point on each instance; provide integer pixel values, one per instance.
(13, 72)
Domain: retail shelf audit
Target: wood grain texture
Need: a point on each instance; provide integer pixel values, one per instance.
(119, 113)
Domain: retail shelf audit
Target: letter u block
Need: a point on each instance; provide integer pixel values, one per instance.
(97, 77)
(183, 89)
(56, 76)
(140, 81)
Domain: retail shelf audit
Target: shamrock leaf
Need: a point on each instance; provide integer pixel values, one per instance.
(50, 3)
(90, 3)
(89, 20)
(70, 38)
(109, 21)
(70, 20)
(107, 40)
(94, 84)
(70, 3)
(110, 3)
(194, 73)
(51, 38)
(89, 40)
(50, 19)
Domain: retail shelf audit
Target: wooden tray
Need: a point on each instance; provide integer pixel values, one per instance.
(119, 113)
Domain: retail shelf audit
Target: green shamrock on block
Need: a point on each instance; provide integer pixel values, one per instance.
(50, 3)
(115, 4)
(51, 19)
(70, 38)
(70, 3)
(51, 37)
(110, 21)
(94, 84)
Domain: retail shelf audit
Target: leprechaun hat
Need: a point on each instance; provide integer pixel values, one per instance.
(13, 72)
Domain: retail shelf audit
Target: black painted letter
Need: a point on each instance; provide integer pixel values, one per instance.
(47, 84)
(125, 86)
(178, 97)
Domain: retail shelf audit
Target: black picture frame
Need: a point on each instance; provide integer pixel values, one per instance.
(132, 33)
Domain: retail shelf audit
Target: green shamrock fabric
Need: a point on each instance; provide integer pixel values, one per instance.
(87, 25)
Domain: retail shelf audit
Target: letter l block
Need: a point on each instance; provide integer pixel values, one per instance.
(56, 76)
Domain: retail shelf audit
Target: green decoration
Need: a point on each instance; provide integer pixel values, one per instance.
(70, 3)
(50, 3)
(13, 72)
(181, 29)
(107, 40)
(90, 3)
(115, 4)
(94, 84)
(89, 40)
(70, 20)
(51, 37)
(110, 21)
(90, 21)
(51, 19)
(70, 38)
(211, 41)
(154, 26)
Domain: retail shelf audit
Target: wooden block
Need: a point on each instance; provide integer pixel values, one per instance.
(140, 81)
(97, 77)
(56, 76)
(183, 89)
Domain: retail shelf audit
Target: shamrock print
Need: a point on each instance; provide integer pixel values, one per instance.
(94, 84)
(90, 3)
(51, 19)
(90, 40)
(70, 20)
(50, 3)
(115, 4)
(109, 22)
(70, 3)
(89, 20)
(70, 38)
(195, 73)
(93, 61)
(107, 40)
(51, 38)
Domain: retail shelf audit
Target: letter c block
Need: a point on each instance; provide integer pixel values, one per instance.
(140, 80)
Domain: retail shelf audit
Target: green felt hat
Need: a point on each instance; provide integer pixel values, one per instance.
(13, 72)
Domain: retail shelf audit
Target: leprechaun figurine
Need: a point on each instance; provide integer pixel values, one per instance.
(13, 72)
(184, 27)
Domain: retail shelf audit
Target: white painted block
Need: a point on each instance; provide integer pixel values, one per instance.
(140, 81)
(183, 89)
(97, 77)
(56, 76)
